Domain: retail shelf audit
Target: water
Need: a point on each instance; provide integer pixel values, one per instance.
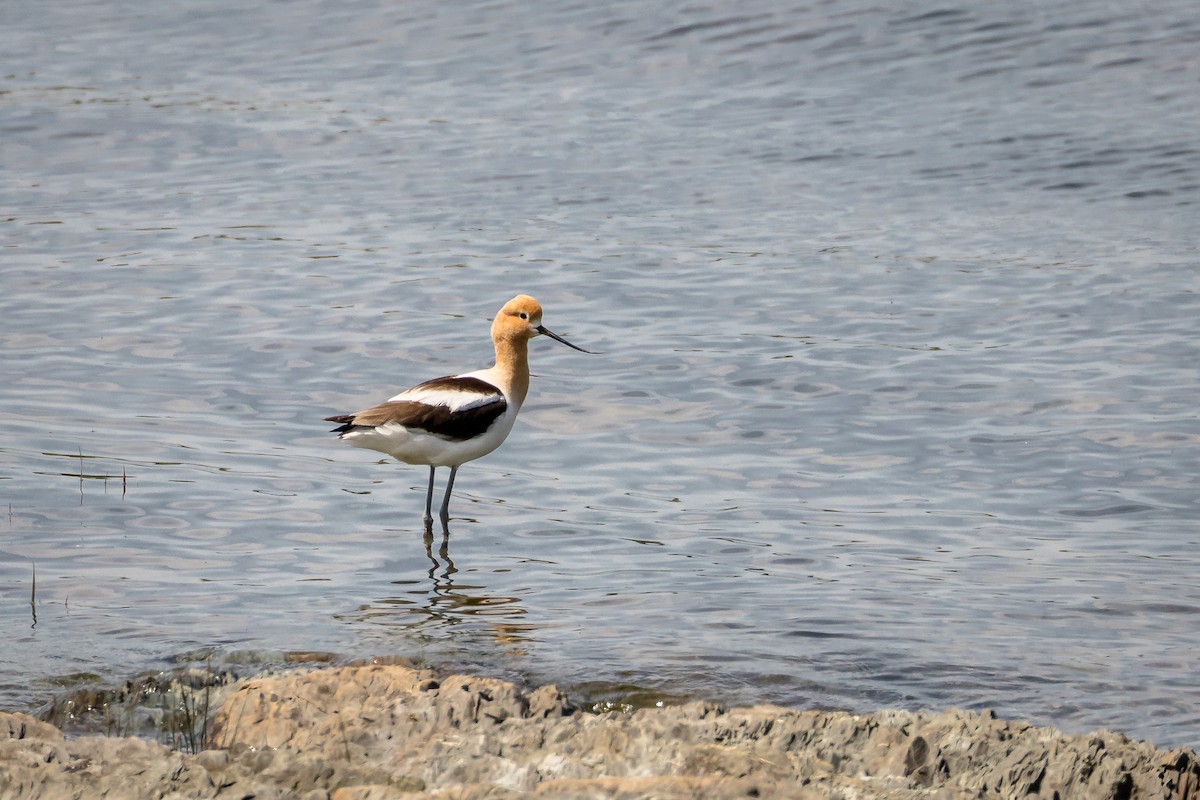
(897, 406)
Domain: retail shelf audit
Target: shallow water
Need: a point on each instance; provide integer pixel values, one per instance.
(897, 405)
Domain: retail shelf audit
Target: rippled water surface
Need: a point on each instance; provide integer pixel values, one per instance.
(897, 405)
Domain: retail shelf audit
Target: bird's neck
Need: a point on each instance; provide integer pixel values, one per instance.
(512, 364)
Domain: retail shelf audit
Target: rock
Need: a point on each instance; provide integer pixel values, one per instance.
(386, 731)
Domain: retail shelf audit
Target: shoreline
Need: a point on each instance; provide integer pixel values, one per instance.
(383, 730)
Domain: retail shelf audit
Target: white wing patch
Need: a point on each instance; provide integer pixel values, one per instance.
(456, 394)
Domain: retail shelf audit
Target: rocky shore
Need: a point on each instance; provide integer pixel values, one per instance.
(381, 731)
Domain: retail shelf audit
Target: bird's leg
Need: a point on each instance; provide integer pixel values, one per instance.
(429, 502)
(445, 512)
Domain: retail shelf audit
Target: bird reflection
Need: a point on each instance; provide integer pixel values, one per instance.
(440, 599)
(443, 554)
(451, 600)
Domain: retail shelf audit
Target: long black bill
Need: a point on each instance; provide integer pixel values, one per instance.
(542, 329)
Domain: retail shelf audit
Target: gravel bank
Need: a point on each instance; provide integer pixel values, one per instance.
(373, 732)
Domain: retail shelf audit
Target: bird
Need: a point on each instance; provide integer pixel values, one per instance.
(448, 421)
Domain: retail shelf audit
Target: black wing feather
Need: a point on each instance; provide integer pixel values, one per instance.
(438, 420)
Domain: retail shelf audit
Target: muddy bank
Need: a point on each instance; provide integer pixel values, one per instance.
(385, 731)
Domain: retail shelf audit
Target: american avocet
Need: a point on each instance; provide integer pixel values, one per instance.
(449, 421)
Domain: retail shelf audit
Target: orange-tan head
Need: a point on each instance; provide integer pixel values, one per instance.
(521, 319)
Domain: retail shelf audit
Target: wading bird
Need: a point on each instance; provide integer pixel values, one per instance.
(449, 421)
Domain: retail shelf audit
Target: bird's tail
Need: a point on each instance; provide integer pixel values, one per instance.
(345, 423)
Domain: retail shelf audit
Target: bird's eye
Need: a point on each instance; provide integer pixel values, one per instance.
(523, 315)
